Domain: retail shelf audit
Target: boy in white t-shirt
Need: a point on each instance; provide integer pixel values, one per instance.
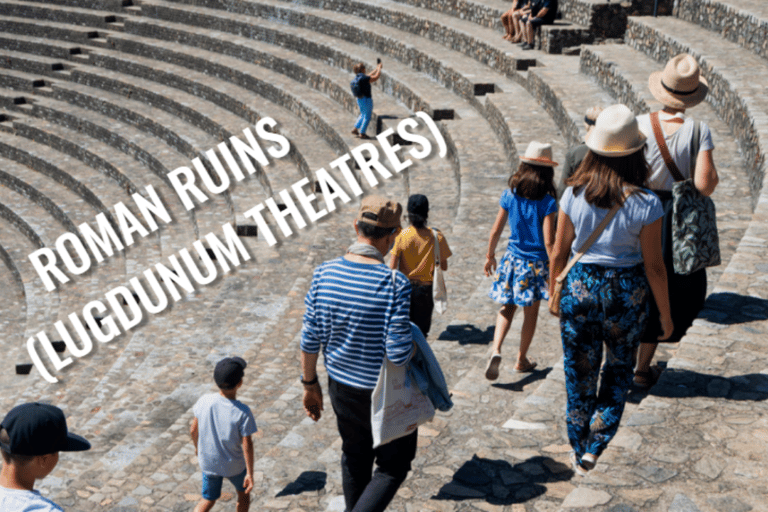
(31, 437)
(221, 433)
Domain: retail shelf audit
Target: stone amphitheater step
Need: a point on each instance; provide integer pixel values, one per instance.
(463, 37)
(630, 85)
(554, 83)
(118, 135)
(176, 234)
(743, 22)
(13, 304)
(198, 140)
(47, 29)
(41, 309)
(78, 178)
(100, 5)
(60, 14)
(731, 71)
(29, 44)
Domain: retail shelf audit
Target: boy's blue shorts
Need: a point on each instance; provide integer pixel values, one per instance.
(212, 484)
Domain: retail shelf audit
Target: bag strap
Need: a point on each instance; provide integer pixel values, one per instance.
(437, 248)
(662, 144)
(592, 238)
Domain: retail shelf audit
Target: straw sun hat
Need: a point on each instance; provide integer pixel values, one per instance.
(680, 85)
(538, 153)
(615, 133)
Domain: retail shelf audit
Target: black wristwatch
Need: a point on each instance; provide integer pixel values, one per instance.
(308, 382)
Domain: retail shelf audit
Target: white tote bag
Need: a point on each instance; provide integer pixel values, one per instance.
(439, 292)
(398, 406)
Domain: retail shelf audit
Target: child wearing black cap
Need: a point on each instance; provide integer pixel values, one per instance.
(221, 433)
(31, 437)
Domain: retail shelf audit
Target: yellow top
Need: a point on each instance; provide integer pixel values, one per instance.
(415, 255)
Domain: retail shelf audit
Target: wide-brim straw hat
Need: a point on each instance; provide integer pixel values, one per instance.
(680, 85)
(616, 133)
(538, 153)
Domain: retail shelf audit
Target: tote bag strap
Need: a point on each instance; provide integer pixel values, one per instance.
(585, 247)
(663, 149)
(437, 247)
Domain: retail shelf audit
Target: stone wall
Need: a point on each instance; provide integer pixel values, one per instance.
(475, 12)
(734, 25)
(603, 19)
(553, 38)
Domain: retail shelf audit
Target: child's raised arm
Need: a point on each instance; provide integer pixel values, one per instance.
(498, 227)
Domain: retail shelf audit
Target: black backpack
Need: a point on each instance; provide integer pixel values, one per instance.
(357, 90)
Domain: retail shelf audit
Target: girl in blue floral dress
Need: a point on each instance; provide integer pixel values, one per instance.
(605, 295)
(522, 278)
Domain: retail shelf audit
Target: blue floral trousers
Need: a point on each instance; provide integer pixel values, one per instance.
(600, 305)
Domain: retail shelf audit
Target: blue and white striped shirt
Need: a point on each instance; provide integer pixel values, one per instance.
(357, 315)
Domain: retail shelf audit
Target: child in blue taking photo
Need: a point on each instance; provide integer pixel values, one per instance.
(522, 277)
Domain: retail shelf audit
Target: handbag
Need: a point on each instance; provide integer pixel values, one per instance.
(398, 406)
(695, 241)
(554, 299)
(439, 292)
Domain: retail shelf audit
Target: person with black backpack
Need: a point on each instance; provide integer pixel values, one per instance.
(361, 89)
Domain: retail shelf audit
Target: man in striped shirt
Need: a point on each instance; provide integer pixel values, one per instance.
(357, 313)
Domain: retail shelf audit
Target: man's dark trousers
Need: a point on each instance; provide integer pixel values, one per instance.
(363, 493)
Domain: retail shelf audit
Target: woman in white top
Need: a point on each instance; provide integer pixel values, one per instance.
(678, 87)
(605, 296)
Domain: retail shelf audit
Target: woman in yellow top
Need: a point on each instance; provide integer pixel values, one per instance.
(414, 255)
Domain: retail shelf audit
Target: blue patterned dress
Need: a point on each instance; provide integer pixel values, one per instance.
(522, 277)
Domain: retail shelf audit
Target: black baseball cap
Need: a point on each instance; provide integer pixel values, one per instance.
(229, 372)
(418, 204)
(39, 429)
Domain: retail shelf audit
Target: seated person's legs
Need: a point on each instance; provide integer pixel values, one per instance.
(506, 20)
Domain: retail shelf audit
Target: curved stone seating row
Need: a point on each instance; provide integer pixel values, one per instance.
(73, 15)
(463, 37)
(40, 308)
(61, 168)
(100, 5)
(60, 31)
(122, 137)
(13, 305)
(744, 22)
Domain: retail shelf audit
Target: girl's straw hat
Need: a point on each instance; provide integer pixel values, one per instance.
(680, 85)
(615, 133)
(538, 153)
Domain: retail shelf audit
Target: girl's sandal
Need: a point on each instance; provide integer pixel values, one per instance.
(492, 369)
(527, 367)
(647, 379)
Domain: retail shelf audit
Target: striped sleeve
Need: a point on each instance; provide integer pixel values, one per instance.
(310, 343)
(399, 343)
